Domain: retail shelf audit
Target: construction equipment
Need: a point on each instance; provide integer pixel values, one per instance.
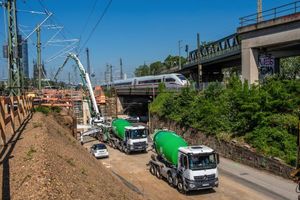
(125, 136)
(185, 167)
(96, 115)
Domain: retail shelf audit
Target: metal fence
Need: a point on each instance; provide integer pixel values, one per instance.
(270, 14)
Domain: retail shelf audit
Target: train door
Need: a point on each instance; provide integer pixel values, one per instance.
(134, 82)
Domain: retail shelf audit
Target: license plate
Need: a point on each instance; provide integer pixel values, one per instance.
(205, 184)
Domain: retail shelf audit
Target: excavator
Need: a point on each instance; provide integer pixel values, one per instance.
(96, 115)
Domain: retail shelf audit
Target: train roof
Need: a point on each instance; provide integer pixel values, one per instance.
(143, 78)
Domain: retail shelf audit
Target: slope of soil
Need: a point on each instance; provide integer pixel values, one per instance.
(46, 162)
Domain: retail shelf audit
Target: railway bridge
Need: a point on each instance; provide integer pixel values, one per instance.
(254, 50)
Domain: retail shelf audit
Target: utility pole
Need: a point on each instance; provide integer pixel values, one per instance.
(200, 80)
(14, 79)
(39, 57)
(259, 11)
(110, 74)
(88, 61)
(179, 46)
(121, 69)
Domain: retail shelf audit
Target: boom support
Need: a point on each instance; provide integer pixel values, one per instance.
(85, 78)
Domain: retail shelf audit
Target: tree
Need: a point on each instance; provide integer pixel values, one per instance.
(156, 68)
(290, 68)
(173, 61)
(142, 70)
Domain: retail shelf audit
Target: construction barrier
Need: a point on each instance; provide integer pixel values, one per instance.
(13, 112)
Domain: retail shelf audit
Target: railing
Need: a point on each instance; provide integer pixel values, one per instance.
(273, 13)
(213, 50)
(13, 111)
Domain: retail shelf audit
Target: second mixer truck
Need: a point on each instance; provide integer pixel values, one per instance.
(126, 136)
(185, 167)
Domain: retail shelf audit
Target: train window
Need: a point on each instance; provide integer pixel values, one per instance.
(127, 83)
(170, 80)
(181, 77)
(150, 81)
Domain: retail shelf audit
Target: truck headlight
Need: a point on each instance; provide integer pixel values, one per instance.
(191, 185)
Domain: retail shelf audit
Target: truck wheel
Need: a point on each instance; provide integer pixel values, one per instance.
(170, 179)
(158, 174)
(180, 186)
(152, 169)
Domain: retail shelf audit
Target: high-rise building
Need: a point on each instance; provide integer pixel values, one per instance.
(24, 60)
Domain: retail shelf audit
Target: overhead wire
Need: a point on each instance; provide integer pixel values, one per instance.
(96, 25)
(87, 21)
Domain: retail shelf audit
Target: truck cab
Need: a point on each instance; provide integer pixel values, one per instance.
(135, 138)
(197, 168)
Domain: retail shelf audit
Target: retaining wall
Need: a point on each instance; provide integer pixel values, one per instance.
(242, 154)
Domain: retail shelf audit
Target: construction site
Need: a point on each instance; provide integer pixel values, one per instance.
(69, 131)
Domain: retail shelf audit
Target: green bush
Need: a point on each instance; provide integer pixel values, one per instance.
(46, 110)
(43, 109)
(265, 115)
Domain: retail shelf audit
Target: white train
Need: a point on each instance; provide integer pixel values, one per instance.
(170, 81)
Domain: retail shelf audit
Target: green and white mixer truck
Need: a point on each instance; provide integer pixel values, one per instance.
(125, 136)
(185, 167)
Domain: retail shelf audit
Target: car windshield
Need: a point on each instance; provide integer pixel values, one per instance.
(199, 161)
(181, 77)
(138, 133)
(99, 146)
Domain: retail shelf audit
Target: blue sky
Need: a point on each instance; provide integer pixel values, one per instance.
(137, 31)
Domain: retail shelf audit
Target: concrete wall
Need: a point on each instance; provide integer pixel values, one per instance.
(242, 154)
(261, 38)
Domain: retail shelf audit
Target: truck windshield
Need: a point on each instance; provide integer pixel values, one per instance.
(200, 161)
(137, 134)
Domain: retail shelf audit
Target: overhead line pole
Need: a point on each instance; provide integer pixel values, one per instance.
(121, 69)
(88, 61)
(39, 57)
(259, 11)
(14, 79)
(179, 46)
(200, 80)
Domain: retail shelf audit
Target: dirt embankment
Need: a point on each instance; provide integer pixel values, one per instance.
(48, 163)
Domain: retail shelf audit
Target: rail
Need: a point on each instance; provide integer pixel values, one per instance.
(13, 112)
(270, 14)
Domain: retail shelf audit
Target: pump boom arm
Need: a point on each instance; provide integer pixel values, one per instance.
(85, 77)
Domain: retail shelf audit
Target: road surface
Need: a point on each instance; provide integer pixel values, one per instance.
(236, 181)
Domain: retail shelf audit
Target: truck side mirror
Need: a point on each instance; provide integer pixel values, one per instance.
(218, 158)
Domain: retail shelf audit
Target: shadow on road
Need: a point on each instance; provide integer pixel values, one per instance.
(5, 155)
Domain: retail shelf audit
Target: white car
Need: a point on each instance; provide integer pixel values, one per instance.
(99, 150)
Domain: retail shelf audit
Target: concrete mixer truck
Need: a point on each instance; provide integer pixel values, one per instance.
(185, 167)
(125, 136)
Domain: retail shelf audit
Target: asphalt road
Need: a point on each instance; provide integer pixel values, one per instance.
(236, 181)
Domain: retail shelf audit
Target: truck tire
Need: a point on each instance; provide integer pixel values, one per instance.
(170, 179)
(180, 186)
(127, 151)
(152, 169)
(158, 174)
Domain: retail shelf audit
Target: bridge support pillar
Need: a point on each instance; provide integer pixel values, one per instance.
(250, 63)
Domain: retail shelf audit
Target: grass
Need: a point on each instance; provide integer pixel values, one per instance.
(71, 162)
(83, 171)
(37, 124)
(30, 152)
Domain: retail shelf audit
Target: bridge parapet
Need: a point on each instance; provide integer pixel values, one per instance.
(215, 50)
(271, 14)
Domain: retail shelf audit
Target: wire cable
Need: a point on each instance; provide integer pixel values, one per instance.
(96, 25)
